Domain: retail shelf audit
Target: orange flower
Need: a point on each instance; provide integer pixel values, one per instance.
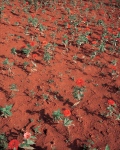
(111, 102)
(67, 113)
(80, 82)
(27, 135)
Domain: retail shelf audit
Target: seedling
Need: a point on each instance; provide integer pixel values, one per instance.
(33, 21)
(3, 142)
(57, 115)
(26, 144)
(36, 130)
(8, 66)
(13, 88)
(6, 111)
(67, 122)
(47, 57)
(13, 51)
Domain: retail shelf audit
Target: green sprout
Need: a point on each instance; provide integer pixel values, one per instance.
(47, 57)
(57, 115)
(26, 144)
(67, 122)
(3, 142)
(13, 51)
(6, 111)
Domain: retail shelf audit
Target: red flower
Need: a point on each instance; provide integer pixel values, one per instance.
(114, 32)
(13, 144)
(67, 113)
(118, 29)
(110, 30)
(32, 43)
(94, 42)
(111, 102)
(113, 67)
(33, 15)
(97, 57)
(27, 3)
(106, 37)
(68, 26)
(34, 56)
(80, 82)
(27, 135)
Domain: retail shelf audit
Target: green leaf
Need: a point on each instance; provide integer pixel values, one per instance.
(57, 115)
(30, 142)
(107, 147)
(67, 122)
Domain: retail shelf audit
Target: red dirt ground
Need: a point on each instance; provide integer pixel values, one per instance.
(57, 78)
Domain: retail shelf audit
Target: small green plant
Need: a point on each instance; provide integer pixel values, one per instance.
(8, 66)
(33, 21)
(107, 147)
(36, 130)
(57, 115)
(45, 96)
(78, 92)
(13, 51)
(28, 141)
(3, 142)
(67, 122)
(26, 52)
(32, 93)
(13, 88)
(25, 64)
(47, 57)
(111, 110)
(6, 111)
(42, 28)
(82, 39)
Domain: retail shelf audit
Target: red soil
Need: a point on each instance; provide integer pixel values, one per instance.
(58, 77)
